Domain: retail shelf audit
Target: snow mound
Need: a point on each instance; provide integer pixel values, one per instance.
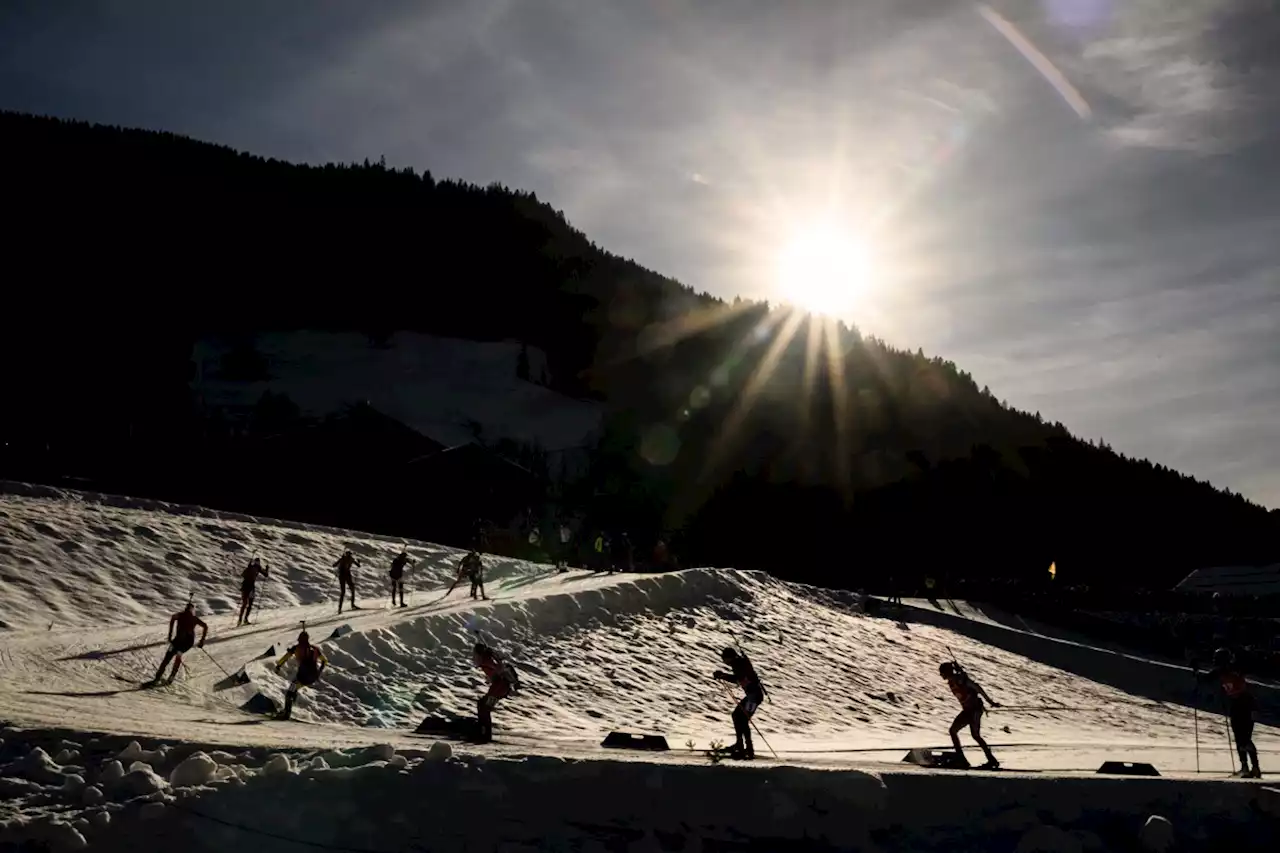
(136, 559)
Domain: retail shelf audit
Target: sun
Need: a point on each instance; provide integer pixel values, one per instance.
(823, 269)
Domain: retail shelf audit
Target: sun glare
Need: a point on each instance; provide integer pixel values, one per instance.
(823, 270)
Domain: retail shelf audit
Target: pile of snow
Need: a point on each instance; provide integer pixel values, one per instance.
(381, 798)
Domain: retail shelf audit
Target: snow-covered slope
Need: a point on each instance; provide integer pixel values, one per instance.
(433, 384)
(88, 583)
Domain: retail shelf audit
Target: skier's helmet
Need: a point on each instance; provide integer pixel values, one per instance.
(1223, 657)
(729, 654)
(947, 670)
(304, 639)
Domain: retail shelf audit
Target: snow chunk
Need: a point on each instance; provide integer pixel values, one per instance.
(277, 764)
(141, 781)
(1156, 834)
(1049, 839)
(382, 752)
(66, 756)
(91, 795)
(196, 769)
(111, 772)
(72, 783)
(132, 752)
(440, 751)
(399, 762)
(63, 836)
(37, 766)
(151, 811)
(100, 819)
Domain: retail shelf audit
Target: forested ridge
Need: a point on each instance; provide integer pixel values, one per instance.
(125, 246)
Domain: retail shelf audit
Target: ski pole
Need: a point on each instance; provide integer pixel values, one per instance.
(215, 661)
(752, 722)
(1195, 718)
(1033, 708)
(1231, 750)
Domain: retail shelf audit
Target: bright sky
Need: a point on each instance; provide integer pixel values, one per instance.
(1073, 199)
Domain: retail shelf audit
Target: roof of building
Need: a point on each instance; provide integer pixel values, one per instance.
(1234, 580)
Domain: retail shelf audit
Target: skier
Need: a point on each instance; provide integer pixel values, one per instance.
(566, 536)
(970, 694)
(471, 568)
(742, 672)
(182, 636)
(398, 566)
(503, 681)
(345, 578)
(1240, 705)
(248, 583)
(311, 663)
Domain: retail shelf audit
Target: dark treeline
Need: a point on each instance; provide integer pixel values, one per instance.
(124, 247)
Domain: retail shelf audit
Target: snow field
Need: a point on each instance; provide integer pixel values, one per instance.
(89, 582)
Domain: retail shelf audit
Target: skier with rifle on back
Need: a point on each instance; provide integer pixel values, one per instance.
(182, 636)
(970, 695)
(311, 664)
(471, 568)
(248, 588)
(744, 675)
(503, 681)
(1240, 707)
(398, 566)
(346, 580)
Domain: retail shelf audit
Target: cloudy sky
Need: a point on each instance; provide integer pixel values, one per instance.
(1077, 201)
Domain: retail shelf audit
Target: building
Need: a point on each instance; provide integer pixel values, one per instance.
(1234, 580)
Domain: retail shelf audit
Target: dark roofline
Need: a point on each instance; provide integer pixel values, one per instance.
(467, 444)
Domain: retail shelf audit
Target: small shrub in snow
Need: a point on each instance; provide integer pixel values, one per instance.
(196, 769)
(440, 751)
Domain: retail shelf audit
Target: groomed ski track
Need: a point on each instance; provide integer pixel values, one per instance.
(851, 694)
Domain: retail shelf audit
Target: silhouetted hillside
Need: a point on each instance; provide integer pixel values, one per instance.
(751, 436)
